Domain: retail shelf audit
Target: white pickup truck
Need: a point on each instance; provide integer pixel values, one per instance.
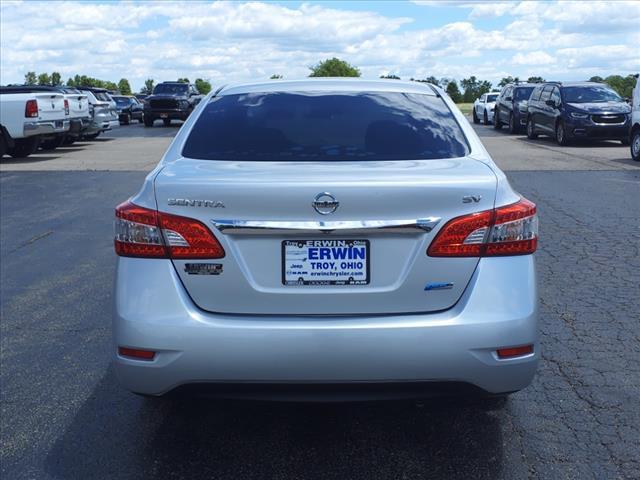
(27, 119)
(79, 114)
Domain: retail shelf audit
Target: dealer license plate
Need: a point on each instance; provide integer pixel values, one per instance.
(325, 262)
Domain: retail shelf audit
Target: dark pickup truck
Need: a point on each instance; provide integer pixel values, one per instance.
(170, 101)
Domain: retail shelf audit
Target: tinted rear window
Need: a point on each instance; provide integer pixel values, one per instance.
(314, 126)
(523, 93)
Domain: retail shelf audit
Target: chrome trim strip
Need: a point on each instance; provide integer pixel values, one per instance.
(276, 227)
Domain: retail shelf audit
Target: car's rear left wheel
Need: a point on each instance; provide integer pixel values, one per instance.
(475, 117)
(512, 124)
(485, 118)
(24, 147)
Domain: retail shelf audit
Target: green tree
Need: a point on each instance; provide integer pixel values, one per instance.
(535, 80)
(30, 78)
(334, 67)
(44, 79)
(622, 85)
(507, 80)
(391, 76)
(276, 76)
(71, 83)
(597, 79)
(56, 79)
(183, 80)
(203, 86)
(473, 88)
(148, 86)
(453, 91)
(124, 87)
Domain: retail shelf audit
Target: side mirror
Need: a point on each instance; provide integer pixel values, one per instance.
(509, 99)
(550, 103)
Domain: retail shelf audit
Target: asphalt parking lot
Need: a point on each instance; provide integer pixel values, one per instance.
(64, 417)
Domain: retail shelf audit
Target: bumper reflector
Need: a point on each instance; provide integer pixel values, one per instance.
(512, 352)
(136, 353)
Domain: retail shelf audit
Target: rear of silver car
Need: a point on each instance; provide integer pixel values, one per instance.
(325, 233)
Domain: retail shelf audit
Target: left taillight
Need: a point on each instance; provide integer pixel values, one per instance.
(143, 232)
(508, 230)
(66, 106)
(31, 109)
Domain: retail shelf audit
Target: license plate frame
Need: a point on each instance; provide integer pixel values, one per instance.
(164, 115)
(338, 278)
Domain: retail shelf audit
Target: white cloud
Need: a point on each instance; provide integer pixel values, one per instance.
(232, 41)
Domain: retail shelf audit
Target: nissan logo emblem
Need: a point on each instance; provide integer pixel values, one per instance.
(325, 203)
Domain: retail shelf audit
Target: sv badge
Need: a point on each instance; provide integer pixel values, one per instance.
(471, 198)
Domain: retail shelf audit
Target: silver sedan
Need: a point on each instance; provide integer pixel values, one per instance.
(326, 237)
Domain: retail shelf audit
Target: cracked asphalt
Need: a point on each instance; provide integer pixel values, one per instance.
(64, 417)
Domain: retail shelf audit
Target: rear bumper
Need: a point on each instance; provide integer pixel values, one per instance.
(47, 127)
(153, 311)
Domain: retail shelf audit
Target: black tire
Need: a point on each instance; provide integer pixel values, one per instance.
(485, 118)
(3, 146)
(513, 128)
(93, 136)
(127, 119)
(531, 129)
(53, 143)
(24, 147)
(635, 145)
(69, 140)
(497, 124)
(166, 121)
(561, 134)
(475, 117)
(148, 122)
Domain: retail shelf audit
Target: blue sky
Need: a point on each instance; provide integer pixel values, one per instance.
(242, 41)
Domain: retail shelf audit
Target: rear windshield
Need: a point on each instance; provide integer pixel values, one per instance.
(523, 93)
(102, 96)
(322, 126)
(590, 94)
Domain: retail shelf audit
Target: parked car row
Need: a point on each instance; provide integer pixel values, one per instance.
(47, 117)
(565, 111)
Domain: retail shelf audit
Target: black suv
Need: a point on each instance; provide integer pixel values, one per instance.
(511, 106)
(573, 110)
(170, 100)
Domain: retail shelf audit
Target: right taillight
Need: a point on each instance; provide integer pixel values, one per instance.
(143, 232)
(31, 109)
(508, 230)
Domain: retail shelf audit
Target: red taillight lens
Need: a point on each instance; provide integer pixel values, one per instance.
(31, 109)
(512, 352)
(66, 106)
(142, 232)
(508, 230)
(136, 353)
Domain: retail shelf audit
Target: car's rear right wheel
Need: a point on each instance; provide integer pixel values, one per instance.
(531, 129)
(512, 124)
(635, 145)
(497, 124)
(485, 118)
(53, 143)
(561, 134)
(24, 147)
